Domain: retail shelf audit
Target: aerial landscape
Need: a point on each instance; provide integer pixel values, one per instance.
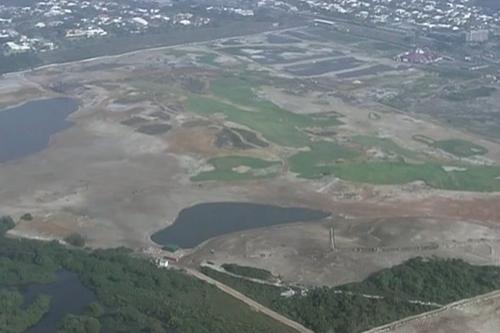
(240, 166)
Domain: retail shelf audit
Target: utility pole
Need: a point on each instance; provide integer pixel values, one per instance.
(332, 239)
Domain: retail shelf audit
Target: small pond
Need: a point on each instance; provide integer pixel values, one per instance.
(27, 128)
(201, 222)
(68, 295)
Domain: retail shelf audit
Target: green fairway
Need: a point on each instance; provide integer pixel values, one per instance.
(239, 91)
(475, 178)
(460, 148)
(385, 144)
(231, 168)
(207, 59)
(275, 124)
(320, 160)
(237, 101)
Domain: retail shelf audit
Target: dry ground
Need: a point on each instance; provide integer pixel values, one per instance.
(301, 253)
(117, 186)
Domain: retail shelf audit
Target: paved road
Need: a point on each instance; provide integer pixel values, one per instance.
(254, 305)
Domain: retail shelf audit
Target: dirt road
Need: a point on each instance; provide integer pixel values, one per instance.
(254, 305)
(413, 323)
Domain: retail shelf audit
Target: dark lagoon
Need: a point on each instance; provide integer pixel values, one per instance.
(26, 129)
(198, 223)
(68, 295)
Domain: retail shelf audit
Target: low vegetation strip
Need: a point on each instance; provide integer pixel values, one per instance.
(251, 272)
(413, 287)
(238, 168)
(473, 178)
(460, 148)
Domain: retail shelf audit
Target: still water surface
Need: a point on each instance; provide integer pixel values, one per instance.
(198, 223)
(68, 295)
(27, 128)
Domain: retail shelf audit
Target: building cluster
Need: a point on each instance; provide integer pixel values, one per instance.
(419, 56)
(429, 15)
(44, 25)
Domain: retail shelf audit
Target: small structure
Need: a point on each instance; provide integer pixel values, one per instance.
(332, 239)
(324, 22)
(419, 56)
(140, 21)
(14, 48)
(477, 36)
(288, 293)
(161, 262)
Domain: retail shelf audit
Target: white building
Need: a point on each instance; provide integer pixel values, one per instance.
(87, 33)
(477, 36)
(140, 21)
(14, 48)
(162, 263)
(288, 293)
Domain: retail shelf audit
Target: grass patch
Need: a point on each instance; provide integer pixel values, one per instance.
(471, 93)
(275, 124)
(231, 168)
(457, 147)
(385, 144)
(235, 99)
(247, 271)
(320, 160)
(238, 91)
(207, 59)
(460, 148)
(475, 178)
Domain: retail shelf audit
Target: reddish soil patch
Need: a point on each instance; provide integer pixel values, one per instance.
(197, 140)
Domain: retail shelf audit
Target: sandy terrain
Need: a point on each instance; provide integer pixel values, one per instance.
(116, 186)
(301, 253)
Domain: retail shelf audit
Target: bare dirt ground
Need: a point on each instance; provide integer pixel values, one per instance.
(116, 186)
(301, 253)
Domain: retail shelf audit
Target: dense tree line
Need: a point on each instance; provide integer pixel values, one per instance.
(432, 280)
(14, 317)
(79, 324)
(133, 295)
(347, 309)
(6, 223)
(18, 62)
